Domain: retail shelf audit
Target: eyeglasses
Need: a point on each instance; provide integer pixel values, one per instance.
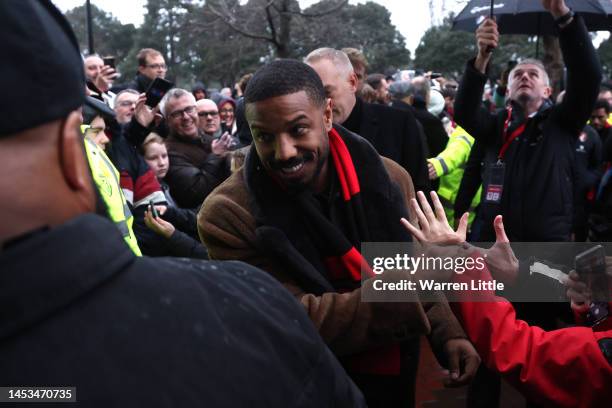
(226, 111)
(157, 66)
(125, 104)
(211, 113)
(190, 110)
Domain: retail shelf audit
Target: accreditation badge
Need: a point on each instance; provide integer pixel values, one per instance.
(495, 183)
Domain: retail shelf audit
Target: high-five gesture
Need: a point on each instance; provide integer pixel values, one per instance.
(434, 227)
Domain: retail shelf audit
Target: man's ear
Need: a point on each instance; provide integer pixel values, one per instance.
(72, 154)
(547, 92)
(328, 115)
(140, 69)
(353, 81)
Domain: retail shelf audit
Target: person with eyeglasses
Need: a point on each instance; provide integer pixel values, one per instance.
(151, 65)
(198, 160)
(213, 125)
(210, 120)
(125, 105)
(227, 112)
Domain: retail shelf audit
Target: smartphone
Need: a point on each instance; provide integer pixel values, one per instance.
(110, 61)
(157, 90)
(591, 267)
(153, 209)
(224, 127)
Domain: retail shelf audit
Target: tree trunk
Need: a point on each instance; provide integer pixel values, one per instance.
(284, 35)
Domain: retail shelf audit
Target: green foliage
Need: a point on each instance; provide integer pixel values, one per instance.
(198, 46)
(111, 37)
(363, 26)
(605, 56)
(445, 51)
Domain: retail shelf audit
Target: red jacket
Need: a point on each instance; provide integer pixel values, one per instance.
(561, 368)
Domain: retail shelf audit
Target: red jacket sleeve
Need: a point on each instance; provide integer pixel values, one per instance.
(562, 368)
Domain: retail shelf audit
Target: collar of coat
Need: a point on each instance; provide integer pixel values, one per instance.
(281, 231)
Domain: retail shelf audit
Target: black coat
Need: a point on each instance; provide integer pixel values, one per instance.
(437, 138)
(127, 331)
(140, 83)
(394, 134)
(537, 199)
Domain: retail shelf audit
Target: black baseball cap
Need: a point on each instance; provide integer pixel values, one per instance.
(41, 74)
(94, 107)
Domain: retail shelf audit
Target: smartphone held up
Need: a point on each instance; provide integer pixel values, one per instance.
(590, 265)
(156, 91)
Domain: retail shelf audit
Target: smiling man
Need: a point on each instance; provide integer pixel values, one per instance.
(197, 162)
(306, 198)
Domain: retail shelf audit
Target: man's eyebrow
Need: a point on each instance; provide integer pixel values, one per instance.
(297, 119)
(302, 116)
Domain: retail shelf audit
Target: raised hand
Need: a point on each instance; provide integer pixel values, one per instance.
(557, 8)
(221, 145)
(500, 258)
(434, 227)
(144, 114)
(105, 78)
(487, 39)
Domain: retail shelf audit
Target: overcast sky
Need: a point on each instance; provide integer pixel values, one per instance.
(412, 18)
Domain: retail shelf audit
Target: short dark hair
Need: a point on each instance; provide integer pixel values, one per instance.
(375, 80)
(284, 77)
(145, 53)
(244, 81)
(602, 103)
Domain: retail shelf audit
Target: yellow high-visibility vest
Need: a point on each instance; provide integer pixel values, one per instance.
(449, 166)
(106, 177)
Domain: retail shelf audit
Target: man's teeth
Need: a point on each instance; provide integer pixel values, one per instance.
(292, 169)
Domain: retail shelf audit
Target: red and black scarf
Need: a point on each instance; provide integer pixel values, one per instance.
(341, 258)
(361, 205)
(317, 237)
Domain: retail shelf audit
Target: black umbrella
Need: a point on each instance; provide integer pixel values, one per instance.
(529, 17)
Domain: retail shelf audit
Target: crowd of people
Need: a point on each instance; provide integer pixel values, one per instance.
(206, 250)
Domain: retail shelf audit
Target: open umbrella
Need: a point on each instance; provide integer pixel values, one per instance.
(529, 17)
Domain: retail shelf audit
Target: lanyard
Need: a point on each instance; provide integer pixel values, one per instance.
(507, 140)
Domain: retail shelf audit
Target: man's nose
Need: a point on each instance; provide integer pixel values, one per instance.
(285, 148)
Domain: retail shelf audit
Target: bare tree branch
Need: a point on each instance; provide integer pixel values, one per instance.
(228, 20)
(322, 13)
(271, 23)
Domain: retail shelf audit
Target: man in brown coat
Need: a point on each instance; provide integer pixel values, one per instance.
(306, 197)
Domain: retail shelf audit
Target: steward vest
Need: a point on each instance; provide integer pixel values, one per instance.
(106, 177)
(449, 166)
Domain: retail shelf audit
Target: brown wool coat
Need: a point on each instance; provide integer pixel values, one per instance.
(227, 228)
